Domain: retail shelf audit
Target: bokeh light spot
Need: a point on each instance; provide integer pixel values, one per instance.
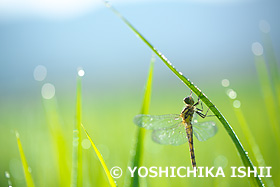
(86, 144)
(81, 72)
(48, 91)
(236, 104)
(225, 82)
(231, 93)
(40, 73)
(257, 49)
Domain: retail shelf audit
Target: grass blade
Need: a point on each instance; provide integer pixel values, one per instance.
(27, 174)
(257, 155)
(273, 65)
(137, 159)
(244, 157)
(58, 138)
(77, 168)
(110, 178)
(269, 101)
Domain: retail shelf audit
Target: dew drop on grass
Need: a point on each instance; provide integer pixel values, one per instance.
(40, 73)
(257, 49)
(225, 83)
(236, 104)
(86, 144)
(48, 91)
(231, 93)
(75, 138)
(8, 176)
(81, 72)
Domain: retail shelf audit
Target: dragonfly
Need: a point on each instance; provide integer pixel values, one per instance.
(177, 129)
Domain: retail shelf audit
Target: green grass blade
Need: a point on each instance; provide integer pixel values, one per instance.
(110, 178)
(27, 174)
(77, 168)
(273, 65)
(257, 155)
(244, 157)
(270, 105)
(138, 148)
(59, 142)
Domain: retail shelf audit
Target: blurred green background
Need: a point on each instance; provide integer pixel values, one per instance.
(207, 41)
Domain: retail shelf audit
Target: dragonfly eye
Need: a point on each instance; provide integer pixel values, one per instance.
(189, 100)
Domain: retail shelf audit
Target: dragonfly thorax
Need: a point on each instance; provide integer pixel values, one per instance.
(189, 100)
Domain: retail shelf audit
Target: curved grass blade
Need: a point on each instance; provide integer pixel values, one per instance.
(137, 159)
(58, 138)
(273, 66)
(27, 174)
(257, 155)
(269, 99)
(244, 157)
(77, 168)
(110, 178)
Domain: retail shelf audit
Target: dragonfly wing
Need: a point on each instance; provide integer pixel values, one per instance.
(205, 130)
(175, 135)
(156, 122)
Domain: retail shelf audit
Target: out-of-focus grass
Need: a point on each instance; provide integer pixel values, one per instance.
(242, 153)
(253, 146)
(77, 160)
(47, 136)
(115, 146)
(27, 173)
(273, 66)
(137, 151)
(111, 180)
(269, 101)
(60, 150)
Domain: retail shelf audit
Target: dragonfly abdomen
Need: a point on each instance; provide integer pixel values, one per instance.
(189, 132)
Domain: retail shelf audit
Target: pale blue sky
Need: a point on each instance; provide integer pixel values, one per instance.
(213, 39)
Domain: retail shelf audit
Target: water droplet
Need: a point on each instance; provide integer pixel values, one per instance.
(231, 93)
(236, 104)
(257, 49)
(86, 144)
(7, 174)
(48, 91)
(40, 73)
(180, 73)
(81, 72)
(225, 83)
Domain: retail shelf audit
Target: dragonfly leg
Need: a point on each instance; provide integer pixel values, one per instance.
(198, 101)
(201, 114)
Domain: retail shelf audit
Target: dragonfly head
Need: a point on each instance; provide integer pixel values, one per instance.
(189, 100)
